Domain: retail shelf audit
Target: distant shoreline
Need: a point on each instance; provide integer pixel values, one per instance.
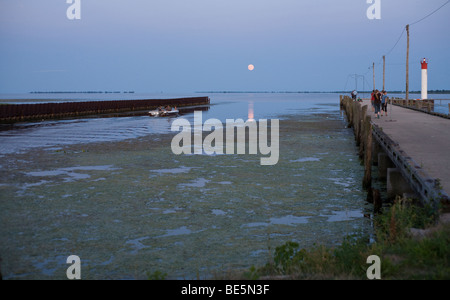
(82, 92)
(241, 92)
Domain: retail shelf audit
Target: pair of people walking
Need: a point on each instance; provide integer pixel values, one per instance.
(379, 103)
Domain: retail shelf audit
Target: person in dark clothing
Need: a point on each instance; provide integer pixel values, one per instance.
(372, 98)
(384, 102)
(377, 103)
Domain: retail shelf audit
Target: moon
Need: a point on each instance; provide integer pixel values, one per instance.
(251, 67)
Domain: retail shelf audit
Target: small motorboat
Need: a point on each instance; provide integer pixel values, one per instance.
(163, 112)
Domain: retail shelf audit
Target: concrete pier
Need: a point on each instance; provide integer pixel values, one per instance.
(425, 138)
(396, 184)
(384, 163)
(410, 148)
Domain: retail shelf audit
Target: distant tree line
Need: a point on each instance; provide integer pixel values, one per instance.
(82, 92)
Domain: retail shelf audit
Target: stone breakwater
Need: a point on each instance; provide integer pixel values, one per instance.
(10, 113)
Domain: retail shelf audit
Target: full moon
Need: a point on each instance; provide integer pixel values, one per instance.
(251, 67)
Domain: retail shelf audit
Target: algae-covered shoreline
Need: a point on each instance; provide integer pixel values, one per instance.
(131, 208)
(411, 242)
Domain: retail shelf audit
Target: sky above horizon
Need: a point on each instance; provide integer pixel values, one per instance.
(176, 46)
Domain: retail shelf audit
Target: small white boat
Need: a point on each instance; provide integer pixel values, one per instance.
(163, 112)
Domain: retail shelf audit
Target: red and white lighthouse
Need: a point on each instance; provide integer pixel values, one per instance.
(424, 64)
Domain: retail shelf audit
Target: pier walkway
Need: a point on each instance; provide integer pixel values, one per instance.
(423, 137)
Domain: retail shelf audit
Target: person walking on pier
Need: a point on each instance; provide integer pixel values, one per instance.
(377, 103)
(384, 101)
(372, 99)
(354, 94)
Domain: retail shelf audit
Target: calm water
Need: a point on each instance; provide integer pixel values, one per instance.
(68, 132)
(112, 192)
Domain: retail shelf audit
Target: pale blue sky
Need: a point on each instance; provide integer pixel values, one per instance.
(206, 45)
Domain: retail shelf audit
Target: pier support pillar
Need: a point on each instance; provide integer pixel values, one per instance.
(396, 184)
(384, 163)
(367, 180)
(362, 132)
(376, 150)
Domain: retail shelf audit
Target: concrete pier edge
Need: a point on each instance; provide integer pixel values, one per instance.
(428, 190)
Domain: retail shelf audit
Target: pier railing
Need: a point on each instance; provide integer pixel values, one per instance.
(426, 106)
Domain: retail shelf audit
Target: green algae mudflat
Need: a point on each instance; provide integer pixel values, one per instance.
(132, 208)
